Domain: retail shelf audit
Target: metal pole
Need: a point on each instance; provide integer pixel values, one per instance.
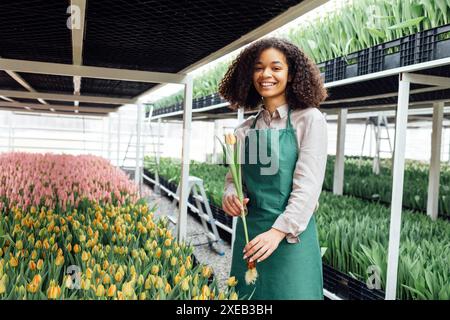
(184, 192)
(118, 139)
(137, 171)
(216, 143)
(338, 179)
(10, 133)
(109, 136)
(401, 122)
(435, 161)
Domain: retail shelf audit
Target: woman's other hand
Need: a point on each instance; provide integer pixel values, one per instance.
(232, 206)
(263, 245)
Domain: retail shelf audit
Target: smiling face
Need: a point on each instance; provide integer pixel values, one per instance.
(270, 75)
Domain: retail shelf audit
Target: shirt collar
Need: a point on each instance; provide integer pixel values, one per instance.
(280, 111)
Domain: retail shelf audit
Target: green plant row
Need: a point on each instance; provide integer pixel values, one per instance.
(359, 181)
(358, 25)
(356, 235)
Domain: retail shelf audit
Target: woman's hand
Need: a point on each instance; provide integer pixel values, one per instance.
(262, 246)
(232, 206)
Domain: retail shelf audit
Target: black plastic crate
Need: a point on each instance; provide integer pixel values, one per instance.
(347, 287)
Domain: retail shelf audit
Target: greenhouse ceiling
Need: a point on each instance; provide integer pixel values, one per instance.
(90, 57)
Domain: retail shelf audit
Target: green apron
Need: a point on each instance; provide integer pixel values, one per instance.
(293, 270)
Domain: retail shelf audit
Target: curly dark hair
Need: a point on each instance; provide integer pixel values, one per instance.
(305, 90)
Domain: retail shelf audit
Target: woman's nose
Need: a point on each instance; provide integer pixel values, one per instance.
(267, 73)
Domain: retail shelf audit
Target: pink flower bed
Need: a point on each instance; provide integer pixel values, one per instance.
(50, 180)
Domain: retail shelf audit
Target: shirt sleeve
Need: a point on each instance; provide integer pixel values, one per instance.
(307, 180)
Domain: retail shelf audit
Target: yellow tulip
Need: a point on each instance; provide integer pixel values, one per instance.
(142, 296)
(13, 261)
(206, 272)
(32, 265)
(173, 261)
(148, 284)
(3, 284)
(221, 296)
(119, 276)
(40, 264)
(230, 139)
(185, 284)
(206, 291)
(88, 273)
(168, 242)
(76, 248)
(85, 256)
(168, 288)
(177, 279)
(231, 282)
(85, 284)
(54, 291)
(182, 271)
(100, 290)
(234, 296)
(128, 290)
(59, 260)
(69, 247)
(158, 253)
(19, 245)
(195, 280)
(106, 279)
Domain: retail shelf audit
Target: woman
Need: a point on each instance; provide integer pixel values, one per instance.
(278, 77)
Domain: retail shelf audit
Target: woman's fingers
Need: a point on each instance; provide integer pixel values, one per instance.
(262, 254)
(252, 247)
(230, 207)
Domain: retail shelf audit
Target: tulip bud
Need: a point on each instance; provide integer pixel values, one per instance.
(32, 265)
(54, 291)
(19, 245)
(234, 296)
(231, 282)
(3, 284)
(40, 264)
(185, 284)
(59, 260)
(13, 261)
(112, 290)
(100, 291)
(230, 139)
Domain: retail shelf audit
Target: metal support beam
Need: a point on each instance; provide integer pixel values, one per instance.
(63, 97)
(187, 121)
(90, 72)
(435, 161)
(397, 187)
(338, 179)
(427, 80)
(37, 106)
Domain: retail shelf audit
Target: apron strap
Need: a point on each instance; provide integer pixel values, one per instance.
(288, 125)
(254, 121)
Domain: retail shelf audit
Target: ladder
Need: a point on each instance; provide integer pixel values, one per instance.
(377, 124)
(195, 185)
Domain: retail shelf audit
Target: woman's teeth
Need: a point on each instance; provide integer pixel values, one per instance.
(267, 84)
